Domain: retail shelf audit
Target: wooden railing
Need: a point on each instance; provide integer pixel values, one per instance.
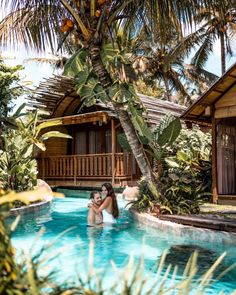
(86, 166)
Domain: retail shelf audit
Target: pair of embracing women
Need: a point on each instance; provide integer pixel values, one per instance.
(102, 211)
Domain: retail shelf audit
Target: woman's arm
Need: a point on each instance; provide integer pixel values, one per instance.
(104, 205)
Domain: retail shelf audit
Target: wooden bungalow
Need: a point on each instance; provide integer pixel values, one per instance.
(93, 155)
(217, 108)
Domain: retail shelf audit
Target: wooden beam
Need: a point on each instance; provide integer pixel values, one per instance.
(223, 93)
(113, 149)
(213, 88)
(214, 161)
(84, 118)
(225, 112)
(208, 111)
(75, 169)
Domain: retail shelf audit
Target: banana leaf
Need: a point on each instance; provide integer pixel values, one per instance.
(51, 134)
(76, 63)
(122, 139)
(168, 130)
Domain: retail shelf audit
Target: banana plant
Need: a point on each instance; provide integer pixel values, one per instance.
(31, 127)
(157, 141)
(186, 181)
(18, 168)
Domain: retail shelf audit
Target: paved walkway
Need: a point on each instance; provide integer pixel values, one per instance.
(209, 208)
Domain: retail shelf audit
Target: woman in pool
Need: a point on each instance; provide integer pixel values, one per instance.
(109, 207)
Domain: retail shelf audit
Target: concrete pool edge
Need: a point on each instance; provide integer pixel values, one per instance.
(194, 233)
(36, 207)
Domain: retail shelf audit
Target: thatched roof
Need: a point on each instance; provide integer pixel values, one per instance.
(198, 111)
(57, 96)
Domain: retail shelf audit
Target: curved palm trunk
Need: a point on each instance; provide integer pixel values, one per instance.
(134, 142)
(222, 48)
(123, 116)
(167, 93)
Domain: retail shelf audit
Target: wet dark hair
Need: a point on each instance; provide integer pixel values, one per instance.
(92, 194)
(111, 193)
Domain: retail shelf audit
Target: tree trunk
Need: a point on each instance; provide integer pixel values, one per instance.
(126, 123)
(103, 76)
(222, 48)
(134, 142)
(167, 93)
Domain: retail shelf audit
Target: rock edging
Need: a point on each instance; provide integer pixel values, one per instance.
(31, 208)
(194, 233)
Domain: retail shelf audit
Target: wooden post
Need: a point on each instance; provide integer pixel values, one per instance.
(43, 168)
(113, 149)
(214, 160)
(75, 169)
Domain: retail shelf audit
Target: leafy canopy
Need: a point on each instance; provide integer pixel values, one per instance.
(10, 88)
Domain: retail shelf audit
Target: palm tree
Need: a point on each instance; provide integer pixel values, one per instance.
(86, 27)
(217, 23)
(162, 64)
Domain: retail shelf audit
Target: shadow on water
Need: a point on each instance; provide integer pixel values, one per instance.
(180, 254)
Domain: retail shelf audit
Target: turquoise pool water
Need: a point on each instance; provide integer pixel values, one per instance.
(115, 243)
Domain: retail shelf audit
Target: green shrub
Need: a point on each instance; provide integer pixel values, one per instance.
(187, 178)
(18, 168)
(185, 182)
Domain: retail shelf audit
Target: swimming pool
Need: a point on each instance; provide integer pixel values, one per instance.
(115, 243)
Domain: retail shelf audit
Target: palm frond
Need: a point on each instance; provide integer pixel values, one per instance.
(199, 73)
(176, 84)
(187, 44)
(36, 25)
(203, 52)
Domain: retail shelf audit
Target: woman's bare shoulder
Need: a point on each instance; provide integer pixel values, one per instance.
(108, 199)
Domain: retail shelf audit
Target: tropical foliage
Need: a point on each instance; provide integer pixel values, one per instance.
(10, 88)
(117, 90)
(159, 64)
(218, 23)
(38, 25)
(156, 141)
(18, 168)
(87, 28)
(186, 177)
(149, 89)
(24, 275)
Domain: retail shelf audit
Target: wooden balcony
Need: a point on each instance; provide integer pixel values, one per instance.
(89, 167)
